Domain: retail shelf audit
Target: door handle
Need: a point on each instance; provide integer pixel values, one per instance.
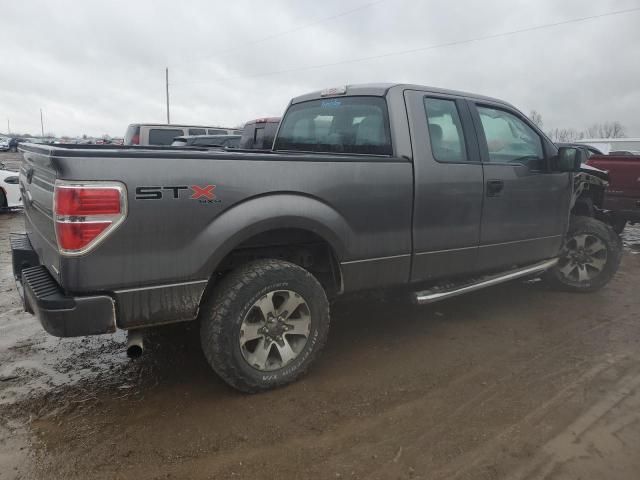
(494, 188)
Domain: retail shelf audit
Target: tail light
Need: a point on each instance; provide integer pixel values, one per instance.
(135, 140)
(86, 213)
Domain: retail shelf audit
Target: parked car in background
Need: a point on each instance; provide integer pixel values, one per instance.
(259, 134)
(622, 197)
(228, 141)
(9, 190)
(4, 144)
(163, 134)
(37, 140)
(14, 142)
(366, 187)
(610, 145)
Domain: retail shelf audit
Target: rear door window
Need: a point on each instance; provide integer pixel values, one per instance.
(445, 130)
(337, 125)
(217, 132)
(197, 131)
(163, 136)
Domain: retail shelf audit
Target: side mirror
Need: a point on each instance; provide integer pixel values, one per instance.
(569, 159)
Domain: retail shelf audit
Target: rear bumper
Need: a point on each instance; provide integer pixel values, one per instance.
(60, 314)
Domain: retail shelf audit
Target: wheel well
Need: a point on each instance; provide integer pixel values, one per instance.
(583, 206)
(302, 247)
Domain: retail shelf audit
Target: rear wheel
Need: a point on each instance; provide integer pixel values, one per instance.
(264, 325)
(3, 200)
(590, 257)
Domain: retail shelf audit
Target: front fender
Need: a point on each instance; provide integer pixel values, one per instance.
(270, 212)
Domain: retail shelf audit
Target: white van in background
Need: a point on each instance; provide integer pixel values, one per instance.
(163, 134)
(609, 145)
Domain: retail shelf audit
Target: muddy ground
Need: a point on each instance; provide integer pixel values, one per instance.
(512, 382)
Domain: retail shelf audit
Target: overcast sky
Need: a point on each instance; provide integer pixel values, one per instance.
(96, 66)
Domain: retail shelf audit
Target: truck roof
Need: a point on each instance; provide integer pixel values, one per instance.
(381, 89)
(169, 125)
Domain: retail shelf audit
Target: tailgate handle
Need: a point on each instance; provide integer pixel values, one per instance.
(494, 188)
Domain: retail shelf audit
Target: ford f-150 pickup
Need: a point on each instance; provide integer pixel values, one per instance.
(367, 186)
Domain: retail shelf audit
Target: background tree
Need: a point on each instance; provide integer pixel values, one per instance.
(606, 130)
(536, 118)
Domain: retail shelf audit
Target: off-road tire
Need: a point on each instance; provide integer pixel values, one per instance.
(592, 227)
(224, 309)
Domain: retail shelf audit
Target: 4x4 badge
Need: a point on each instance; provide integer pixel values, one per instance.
(205, 192)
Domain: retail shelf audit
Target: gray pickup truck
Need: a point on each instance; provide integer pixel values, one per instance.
(367, 186)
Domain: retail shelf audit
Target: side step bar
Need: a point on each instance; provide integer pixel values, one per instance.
(440, 293)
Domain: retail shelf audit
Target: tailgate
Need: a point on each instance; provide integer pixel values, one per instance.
(37, 178)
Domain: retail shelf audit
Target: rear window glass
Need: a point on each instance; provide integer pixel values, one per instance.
(206, 141)
(217, 132)
(197, 131)
(337, 125)
(163, 136)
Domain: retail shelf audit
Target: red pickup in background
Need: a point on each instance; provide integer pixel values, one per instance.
(623, 193)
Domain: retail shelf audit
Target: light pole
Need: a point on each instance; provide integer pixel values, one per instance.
(166, 81)
(41, 124)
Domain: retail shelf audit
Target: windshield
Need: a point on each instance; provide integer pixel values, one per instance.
(337, 125)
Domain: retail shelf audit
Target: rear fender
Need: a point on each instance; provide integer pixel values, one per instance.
(264, 213)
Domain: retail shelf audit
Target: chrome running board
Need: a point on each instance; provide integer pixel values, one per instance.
(440, 293)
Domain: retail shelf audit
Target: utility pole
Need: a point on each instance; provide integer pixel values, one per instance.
(166, 71)
(8, 126)
(41, 123)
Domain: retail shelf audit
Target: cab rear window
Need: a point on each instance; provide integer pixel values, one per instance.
(337, 125)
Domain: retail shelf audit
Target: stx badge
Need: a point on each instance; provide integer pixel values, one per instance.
(204, 194)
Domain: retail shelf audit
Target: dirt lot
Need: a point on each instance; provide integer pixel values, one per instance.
(512, 382)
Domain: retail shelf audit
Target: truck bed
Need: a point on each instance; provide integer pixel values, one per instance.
(167, 241)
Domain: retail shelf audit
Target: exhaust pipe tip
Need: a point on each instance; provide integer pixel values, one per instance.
(135, 345)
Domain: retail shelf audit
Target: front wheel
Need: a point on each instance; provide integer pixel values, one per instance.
(264, 325)
(590, 257)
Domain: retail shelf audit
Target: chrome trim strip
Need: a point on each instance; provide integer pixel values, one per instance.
(488, 245)
(166, 285)
(426, 297)
(521, 241)
(376, 259)
(447, 250)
